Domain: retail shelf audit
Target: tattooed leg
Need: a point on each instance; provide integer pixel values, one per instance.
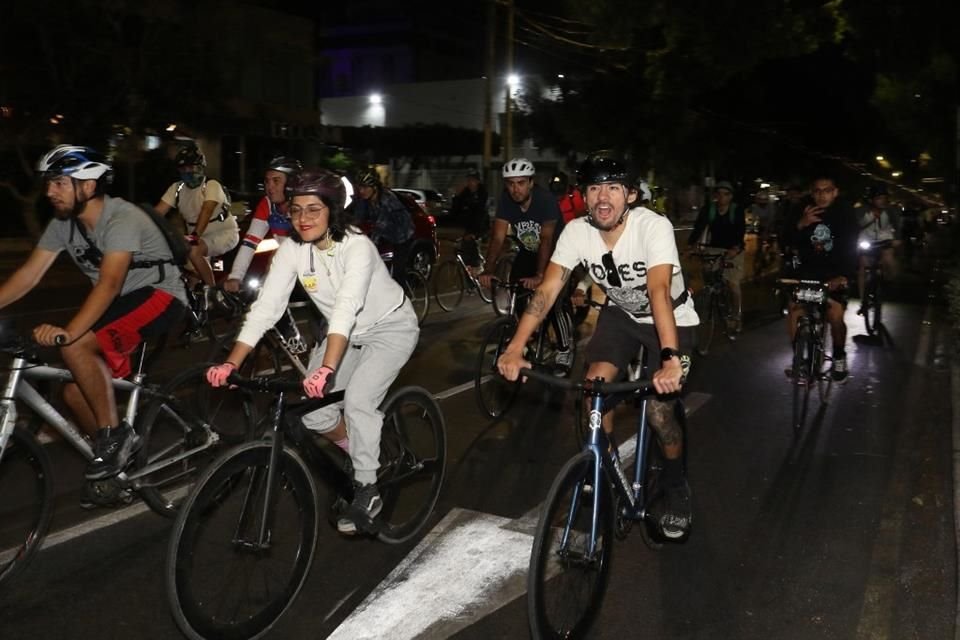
(663, 419)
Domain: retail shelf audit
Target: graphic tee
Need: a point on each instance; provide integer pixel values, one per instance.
(647, 242)
(528, 224)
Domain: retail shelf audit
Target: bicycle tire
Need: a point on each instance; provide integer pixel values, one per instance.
(871, 306)
(176, 422)
(413, 458)
(448, 285)
(802, 375)
(210, 567)
(419, 294)
(558, 576)
(703, 303)
(27, 482)
(503, 268)
(824, 375)
(495, 395)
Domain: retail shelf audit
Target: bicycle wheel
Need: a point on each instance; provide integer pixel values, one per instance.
(871, 306)
(703, 303)
(495, 395)
(802, 375)
(824, 374)
(419, 294)
(27, 505)
(448, 285)
(187, 416)
(413, 457)
(566, 579)
(503, 268)
(221, 581)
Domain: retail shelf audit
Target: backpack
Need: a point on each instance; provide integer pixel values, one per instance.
(224, 207)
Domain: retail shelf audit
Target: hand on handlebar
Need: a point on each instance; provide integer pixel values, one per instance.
(669, 377)
(232, 285)
(486, 280)
(509, 365)
(578, 298)
(217, 375)
(836, 284)
(48, 335)
(319, 383)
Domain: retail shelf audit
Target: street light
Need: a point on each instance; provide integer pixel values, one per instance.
(513, 81)
(376, 98)
(879, 158)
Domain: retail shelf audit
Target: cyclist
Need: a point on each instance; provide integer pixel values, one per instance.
(823, 240)
(720, 226)
(470, 209)
(632, 254)
(878, 223)
(270, 217)
(372, 328)
(569, 198)
(391, 221)
(137, 293)
(205, 207)
(533, 213)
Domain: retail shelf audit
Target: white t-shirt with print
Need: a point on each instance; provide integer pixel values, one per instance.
(647, 241)
(191, 200)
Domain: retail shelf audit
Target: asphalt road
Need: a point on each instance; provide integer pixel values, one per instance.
(843, 531)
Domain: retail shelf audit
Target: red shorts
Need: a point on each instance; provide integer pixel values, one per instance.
(132, 318)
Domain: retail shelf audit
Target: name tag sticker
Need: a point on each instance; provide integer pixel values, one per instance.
(309, 282)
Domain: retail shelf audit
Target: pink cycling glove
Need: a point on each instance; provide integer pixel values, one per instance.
(319, 382)
(217, 375)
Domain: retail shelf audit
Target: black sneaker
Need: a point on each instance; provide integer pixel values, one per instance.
(674, 515)
(365, 507)
(104, 493)
(839, 371)
(802, 380)
(112, 448)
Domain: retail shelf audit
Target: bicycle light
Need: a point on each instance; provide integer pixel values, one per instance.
(253, 284)
(864, 244)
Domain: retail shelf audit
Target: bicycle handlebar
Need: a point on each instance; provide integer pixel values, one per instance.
(268, 384)
(643, 387)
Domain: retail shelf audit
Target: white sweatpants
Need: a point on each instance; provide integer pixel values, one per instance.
(369, 366)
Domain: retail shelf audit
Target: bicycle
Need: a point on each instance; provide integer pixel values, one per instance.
(872, 304)
(179, 429)
(254, 514)
(714, 301)
(495, 395)
(590, 501)
(415, 288)
(453, 278)
(811, 364)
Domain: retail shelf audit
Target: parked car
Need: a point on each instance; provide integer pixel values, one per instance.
(432, 202)
(426, 248)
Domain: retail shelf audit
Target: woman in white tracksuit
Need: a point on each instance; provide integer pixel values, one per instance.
(372, 327)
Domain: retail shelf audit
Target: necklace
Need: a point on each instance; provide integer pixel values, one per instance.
(330, 251)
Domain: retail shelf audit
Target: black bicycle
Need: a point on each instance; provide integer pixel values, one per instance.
(591, 502)
(453, 277)
(811, 365)
(872, 304)
(495, 394)
(244, 541)
(714, 302)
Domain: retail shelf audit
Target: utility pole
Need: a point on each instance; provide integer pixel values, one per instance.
(507, 101)
(488, 87)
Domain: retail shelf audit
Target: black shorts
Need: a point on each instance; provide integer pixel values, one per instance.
(132, 318)
(617, 340)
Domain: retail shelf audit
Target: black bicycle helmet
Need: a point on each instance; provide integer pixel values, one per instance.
(190, 156)
(286, 165)
(877, 190)
(368, 178)
(602, 169)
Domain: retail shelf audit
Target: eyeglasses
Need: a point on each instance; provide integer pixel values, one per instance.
(313, 211)
(613, 276)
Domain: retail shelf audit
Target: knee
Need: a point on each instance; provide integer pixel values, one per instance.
(81, 349)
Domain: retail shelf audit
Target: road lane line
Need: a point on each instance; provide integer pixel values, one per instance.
(955, 402)
(467, 567)
(113, 517)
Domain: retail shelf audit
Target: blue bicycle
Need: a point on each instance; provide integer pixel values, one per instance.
(591, 501)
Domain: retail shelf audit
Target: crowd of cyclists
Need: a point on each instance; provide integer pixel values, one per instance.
(599, 228)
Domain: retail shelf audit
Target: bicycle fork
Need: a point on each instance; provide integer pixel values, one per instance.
(262, 540)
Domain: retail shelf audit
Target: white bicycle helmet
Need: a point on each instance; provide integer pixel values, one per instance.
(518, 168)
(79, 163)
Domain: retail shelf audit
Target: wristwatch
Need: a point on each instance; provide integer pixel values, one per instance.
(667, 353)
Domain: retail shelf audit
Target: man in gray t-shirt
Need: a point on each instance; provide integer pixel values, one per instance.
(136, 294)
